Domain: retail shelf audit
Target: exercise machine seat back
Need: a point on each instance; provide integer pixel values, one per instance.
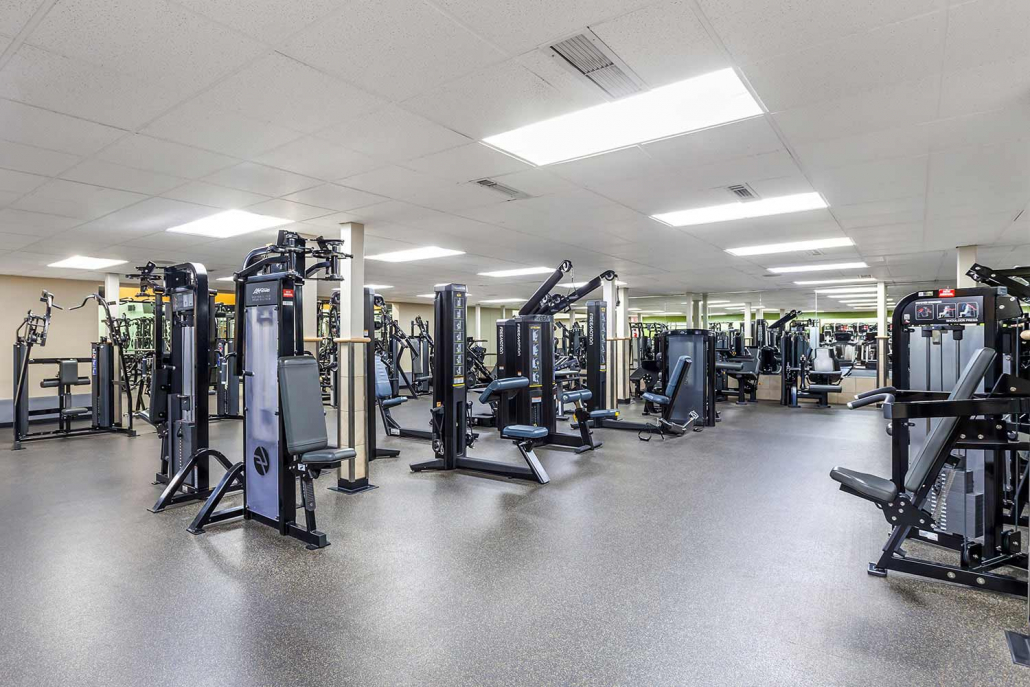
(384, 390)
(510, 384)
(303, 417)
(678, 372)
(882, 490)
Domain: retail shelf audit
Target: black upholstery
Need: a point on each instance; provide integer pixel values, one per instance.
(384, 390)
(577, 396)
(677, 375)
(300, 395)
(504, 384)
(868, 486)
(939, 437)
(523, 432)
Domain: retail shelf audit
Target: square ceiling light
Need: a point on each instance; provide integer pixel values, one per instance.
(229, 223)
(698, 103)
(424, 253)
(780, 205)
(82, 262)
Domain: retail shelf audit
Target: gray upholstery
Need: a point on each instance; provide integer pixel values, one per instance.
(825, 388)
(577, 395)
(300, 395)
(391, 402)
(327, 456)
(939, 437)
(383, 387)
(656, 398)
(505, 384)
(870, 486)
(682, 363)
(603, 414)
(523, 432)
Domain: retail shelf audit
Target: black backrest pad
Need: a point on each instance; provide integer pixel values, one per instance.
(301, 399)
(939, 437)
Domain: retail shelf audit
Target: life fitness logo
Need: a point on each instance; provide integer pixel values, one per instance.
(261, 461)
(946, 293)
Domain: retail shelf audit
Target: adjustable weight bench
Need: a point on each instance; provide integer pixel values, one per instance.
(666, 401)
(906, 509)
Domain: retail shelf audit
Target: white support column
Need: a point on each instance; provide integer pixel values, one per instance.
(112, 293)
(611, 296)
(745, 332)
(309, 305)
(704, 311)
(881, 334)
(352, 418)
(688, 308)
(479, 321)
(622, 332)
(965, 260)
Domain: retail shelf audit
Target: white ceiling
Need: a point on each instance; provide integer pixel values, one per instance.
(120, 118)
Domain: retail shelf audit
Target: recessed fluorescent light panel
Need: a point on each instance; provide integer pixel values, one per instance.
(518, 272)
(424, 253)
(230, 223)
(378, 287)
(504, 300)
(818, 282)
(698, 103)
(427, 295)
(824, 267)
(771, 248)
(82, 262)
(840, 291)
(225, 279)
(581, 284)
(780, 205)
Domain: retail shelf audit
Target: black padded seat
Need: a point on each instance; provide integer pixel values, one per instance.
(74, 412)
(868, 486)
(523, 432)
(729, 366)
(825, 388)
(577, 395)
(300, 394)
(503, 384)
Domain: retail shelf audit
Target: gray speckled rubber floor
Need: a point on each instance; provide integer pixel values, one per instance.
(726, 557)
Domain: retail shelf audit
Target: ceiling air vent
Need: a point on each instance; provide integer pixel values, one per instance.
(586, 55)
(743, 193)
(511, 193)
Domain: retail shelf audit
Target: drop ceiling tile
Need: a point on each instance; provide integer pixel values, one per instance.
(196, 124)
(24, 158)
(267, 20)
(908, 141)
(520, 26)
(256, 178)
(392, 211)
(38, 127)
(906, 51)
(318, 158)
(872, 181)
(100, 173)
(15, 14)
(878, 109)
(149, 39)
(19, 182)
(214, 196)
(627, 163)
(286, 209)
(16, 241)
(283, 91)
(144, 152)
(738, 139)
(72, 199)
(994, 86)
(467, 163)
(22, 222)
(915, 203)
(393, 134)
(335, 197)
(987, 31)
(662, 43)
(394, 182)
(40, 78)
(535, 182)
(501, 97)
(985, 128)
(394, 48)
(8, 197)
(333, 222)
(151, 215)
(756, 29)
(458, 196)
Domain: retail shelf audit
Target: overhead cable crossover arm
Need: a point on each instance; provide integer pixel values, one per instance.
(785, 320)
(558, 303)
(532, 305)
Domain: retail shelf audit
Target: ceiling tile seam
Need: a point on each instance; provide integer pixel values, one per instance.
(465, 27)
(26, 31)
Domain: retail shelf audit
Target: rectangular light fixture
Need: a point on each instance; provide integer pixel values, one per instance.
(520, 272)
(770, 248)
(843, 291)
(819, 267)
(230, 223)
(504, 300)
(378, 287)
(82, 262)
(711, 303)
(424, 253)
(226, 279)
(726, 305)
(698, 103)
(780, 205)
(426, 295)
(818, 282)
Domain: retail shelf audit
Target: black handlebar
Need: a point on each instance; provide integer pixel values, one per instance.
(876, 392)
(886, 399)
